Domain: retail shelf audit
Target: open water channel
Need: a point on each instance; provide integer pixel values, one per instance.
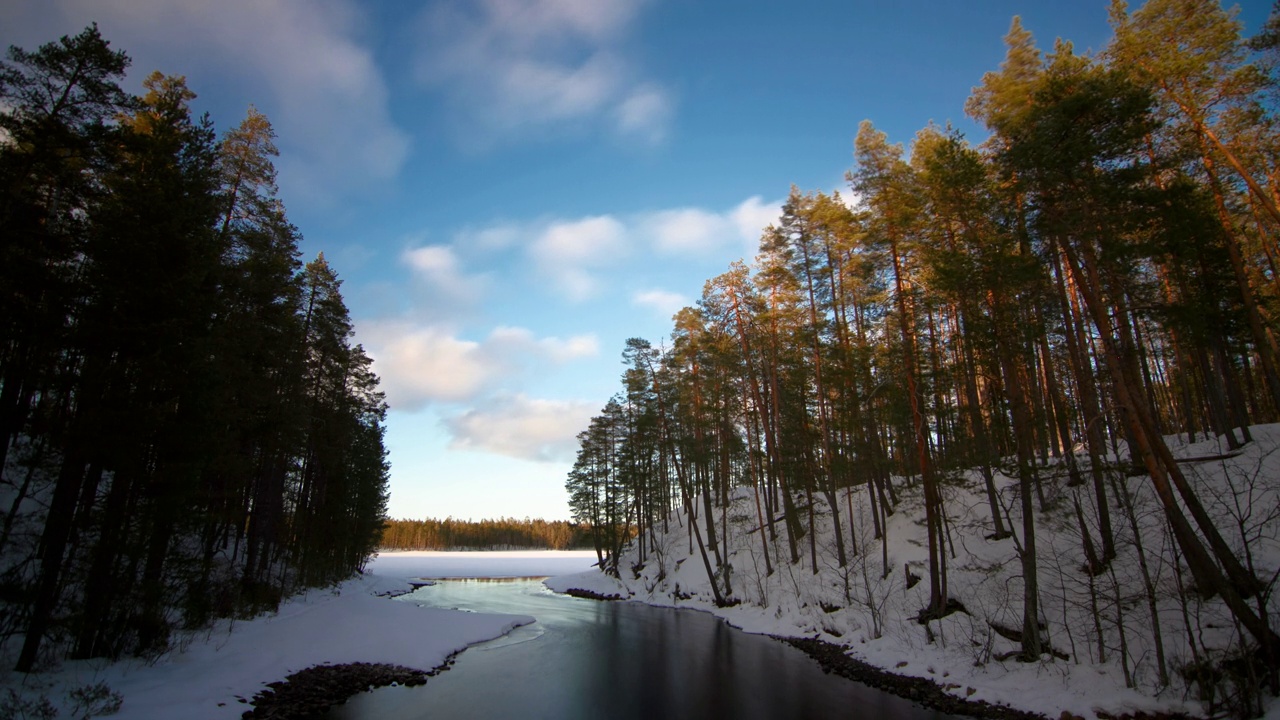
(595, 660)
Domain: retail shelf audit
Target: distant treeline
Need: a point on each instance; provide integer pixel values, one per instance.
(187, 430)
(432, 534)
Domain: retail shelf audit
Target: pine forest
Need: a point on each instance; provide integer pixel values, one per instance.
(187, 431)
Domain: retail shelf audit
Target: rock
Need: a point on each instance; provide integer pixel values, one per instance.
(313, 691)
(833, 659)
(590, 595)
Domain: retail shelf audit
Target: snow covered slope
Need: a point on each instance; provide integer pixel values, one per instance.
(1101, 627)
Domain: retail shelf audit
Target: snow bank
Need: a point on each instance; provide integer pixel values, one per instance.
(353, 622)
(592, 581)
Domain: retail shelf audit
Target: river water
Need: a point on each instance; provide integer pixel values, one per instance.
(590, 659)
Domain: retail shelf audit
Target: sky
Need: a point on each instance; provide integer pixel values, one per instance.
(510, 189)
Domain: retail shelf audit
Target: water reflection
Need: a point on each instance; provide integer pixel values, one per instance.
(588, 659)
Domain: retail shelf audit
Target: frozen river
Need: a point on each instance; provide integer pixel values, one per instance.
(589, 659)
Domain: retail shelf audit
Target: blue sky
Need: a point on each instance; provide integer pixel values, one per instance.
(511, 188)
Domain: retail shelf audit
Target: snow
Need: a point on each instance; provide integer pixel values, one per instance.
(589, 580)
(874, 617)
(353, 622)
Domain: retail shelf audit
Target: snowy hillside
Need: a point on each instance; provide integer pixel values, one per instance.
(1102, 629)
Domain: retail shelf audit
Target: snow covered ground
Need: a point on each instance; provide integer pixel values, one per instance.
(1112, 663)
(353, 622)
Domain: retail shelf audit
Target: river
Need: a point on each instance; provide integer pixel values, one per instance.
(589, 659)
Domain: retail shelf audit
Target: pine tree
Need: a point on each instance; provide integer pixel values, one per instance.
(887, 186)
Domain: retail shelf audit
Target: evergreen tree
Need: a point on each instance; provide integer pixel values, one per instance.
(196, 433)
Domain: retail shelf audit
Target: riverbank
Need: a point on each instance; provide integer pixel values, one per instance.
(216, 673)
(939, 691)
(833, 658)
(928, 693)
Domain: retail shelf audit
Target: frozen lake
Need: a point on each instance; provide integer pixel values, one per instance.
(589, 659)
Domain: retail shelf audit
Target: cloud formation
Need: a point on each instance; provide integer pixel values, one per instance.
(687, 230)
(751, 217)
(513, 342)
(511, 67)
(567, 252)
(300, 61)
(571, 254)
(439, 275)
(645, 114)
(420, 365)
(665, 302)
(522, 427)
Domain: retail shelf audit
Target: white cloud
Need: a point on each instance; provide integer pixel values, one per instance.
(438, 269)
(751, 217)
(690, 231)
(572, 254)
(559, 92)
(432, 259)
(522, 427)
(568, 251)
(578, 346)
(698, 232)
(421, 365)
(588, 240)
(645, 114)
(515, 66)
(513, 341)
(424, 364)
(539, 20)
(497, 236)
(299, 61)
(664, 302)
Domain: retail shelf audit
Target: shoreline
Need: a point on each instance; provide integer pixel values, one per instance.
(320, 688)
(928, 693)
